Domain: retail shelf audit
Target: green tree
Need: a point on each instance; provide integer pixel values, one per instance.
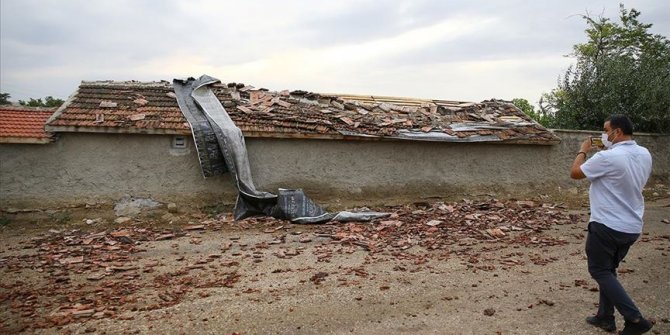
(4, 99)
(539, 116)
(48, 102)
(621, 69)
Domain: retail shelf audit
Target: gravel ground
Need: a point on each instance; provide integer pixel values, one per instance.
(399, 275)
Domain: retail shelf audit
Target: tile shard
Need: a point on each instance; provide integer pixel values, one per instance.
(107, 104)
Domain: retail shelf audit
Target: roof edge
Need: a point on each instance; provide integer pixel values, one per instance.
(24, 140)
(27, 109)
(115, 130)
(60, 109)
(161, 83)
(258, 134)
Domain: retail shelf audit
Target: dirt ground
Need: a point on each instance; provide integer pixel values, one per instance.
(204, 274)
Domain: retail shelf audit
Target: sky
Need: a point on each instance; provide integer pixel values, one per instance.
(452, 50)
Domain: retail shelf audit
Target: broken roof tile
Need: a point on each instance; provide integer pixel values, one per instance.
(118, 107)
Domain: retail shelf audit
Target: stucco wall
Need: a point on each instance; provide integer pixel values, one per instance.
(363, 170)
(84, 167)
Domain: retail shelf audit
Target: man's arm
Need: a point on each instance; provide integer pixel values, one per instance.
(575, 171)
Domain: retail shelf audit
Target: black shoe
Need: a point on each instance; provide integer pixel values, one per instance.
(606, 323)
(641, 327)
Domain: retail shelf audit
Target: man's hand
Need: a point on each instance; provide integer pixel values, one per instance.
(586, 146)
(575, 170)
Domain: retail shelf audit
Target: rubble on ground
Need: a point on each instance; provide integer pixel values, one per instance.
(85, 275)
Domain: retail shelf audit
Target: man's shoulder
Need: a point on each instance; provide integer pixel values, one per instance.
(603, 154)
(623, 153)
(639, 149)
(626, 148)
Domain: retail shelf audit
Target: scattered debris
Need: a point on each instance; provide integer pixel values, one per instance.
(92, 221)
(318, 277)
(496, 232)
(546, 302)
(436, 226)
(433, 223)
(172, 207)
(164, 237)
(130, 206)
(122, 220)
(116, 279)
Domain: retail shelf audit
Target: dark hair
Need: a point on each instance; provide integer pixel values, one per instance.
(621, 122)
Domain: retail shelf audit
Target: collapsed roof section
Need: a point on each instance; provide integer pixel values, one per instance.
(151, 108)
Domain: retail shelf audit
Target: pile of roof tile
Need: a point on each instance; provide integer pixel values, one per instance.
(438, 225)
(152, 107)
(66, 276)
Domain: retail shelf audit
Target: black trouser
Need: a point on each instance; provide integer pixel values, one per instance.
(605, 248)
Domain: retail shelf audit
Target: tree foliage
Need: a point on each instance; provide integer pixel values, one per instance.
(4, 99)
(529, 110)
(47, 102)
(621, 69)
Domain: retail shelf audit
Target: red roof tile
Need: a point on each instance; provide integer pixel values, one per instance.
(151, 107)
(24, 124)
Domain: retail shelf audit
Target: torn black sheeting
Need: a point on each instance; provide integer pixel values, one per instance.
(204, 111)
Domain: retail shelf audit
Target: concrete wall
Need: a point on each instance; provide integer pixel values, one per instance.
(89, 167)
(80, 168)
(363, 170)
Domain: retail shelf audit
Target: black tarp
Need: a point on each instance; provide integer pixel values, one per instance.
(220, 145)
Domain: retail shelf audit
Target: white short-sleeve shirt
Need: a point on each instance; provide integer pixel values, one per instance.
(617, 177)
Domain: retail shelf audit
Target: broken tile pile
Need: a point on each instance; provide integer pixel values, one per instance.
(439, 225)
(86, 275)
(94, 275)
(138, 107)
(285, 111)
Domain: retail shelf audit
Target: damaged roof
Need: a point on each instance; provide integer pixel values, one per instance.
(20, 124)
(152, 108)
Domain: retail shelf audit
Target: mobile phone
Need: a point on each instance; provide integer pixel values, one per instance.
(596, 141)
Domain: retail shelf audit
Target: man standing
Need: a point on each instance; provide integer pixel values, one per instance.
(617, 177)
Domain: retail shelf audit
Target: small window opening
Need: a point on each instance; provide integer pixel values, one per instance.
(179, 142)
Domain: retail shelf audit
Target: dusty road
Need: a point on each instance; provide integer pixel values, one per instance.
(483, 267)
